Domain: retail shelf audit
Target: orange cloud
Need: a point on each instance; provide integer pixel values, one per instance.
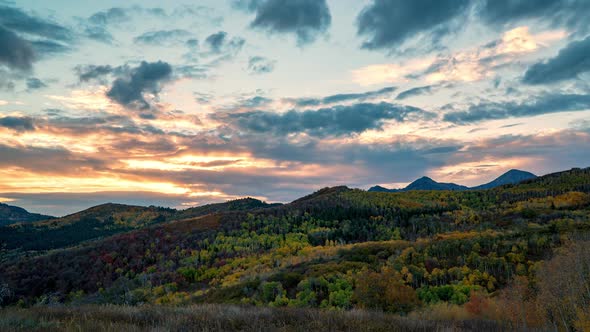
(388, 73)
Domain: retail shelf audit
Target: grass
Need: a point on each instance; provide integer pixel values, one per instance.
(218, 318)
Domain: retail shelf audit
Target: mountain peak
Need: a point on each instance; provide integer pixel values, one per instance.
(424, 179)
(513, 176)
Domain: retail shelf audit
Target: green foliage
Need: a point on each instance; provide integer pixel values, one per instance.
(456, 294)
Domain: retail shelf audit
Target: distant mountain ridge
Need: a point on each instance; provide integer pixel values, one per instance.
(513, 176)
(13, 214)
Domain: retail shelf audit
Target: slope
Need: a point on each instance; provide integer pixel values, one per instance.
(14, 214)
(325, 245)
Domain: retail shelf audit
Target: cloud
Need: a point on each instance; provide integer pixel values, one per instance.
(17, 20)
(324, 122)
(35, 84)
(162, 37)
(338, 98)
(545, 104)
(191, 71)
(571, 61)
(48, 161)
(17, 123)
(571, 13)
(220, 43)
(24, 38)
(147, 77)
(260, 65)
(467, 65)
(15, 52)
(93, 72)
(216, 41)
(97, 25)
(110, 16)
(417, 91)
(389, 24)
(389, 73)
(306, 19)
(193, 44)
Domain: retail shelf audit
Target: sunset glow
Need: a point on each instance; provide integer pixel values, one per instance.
(206, 106)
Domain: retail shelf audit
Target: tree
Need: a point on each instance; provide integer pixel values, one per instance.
(5, 294)
(384, 290)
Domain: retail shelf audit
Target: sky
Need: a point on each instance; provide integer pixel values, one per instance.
(184, 103)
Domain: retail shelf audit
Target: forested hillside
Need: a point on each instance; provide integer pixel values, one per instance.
(104, 220)
(495, 254)
(14, 214)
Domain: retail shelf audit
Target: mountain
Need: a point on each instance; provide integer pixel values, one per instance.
(379, 189)
(513, 176)
(425, 183)
(14, 214)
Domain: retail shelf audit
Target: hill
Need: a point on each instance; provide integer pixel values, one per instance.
(13, 214)
(511, 177)
(235, 205)
(425, 183)
(105, 220)
(342, 248)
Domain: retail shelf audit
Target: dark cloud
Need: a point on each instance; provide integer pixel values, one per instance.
(219, 43)
(25, 38)
(218, 48)
(162, 37)
(255, 102)
(388, 24)
(147, 77)
(110, 124)
(260, 65)
(15, 52)
(417, 91)
(17, 123)
(569, 13)
(17, 20)
(545, 104)
(34, 83)
(334, 121)
(338, 98)
(216, 41)
(92, 72)
(304, 18)
(571, 61)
